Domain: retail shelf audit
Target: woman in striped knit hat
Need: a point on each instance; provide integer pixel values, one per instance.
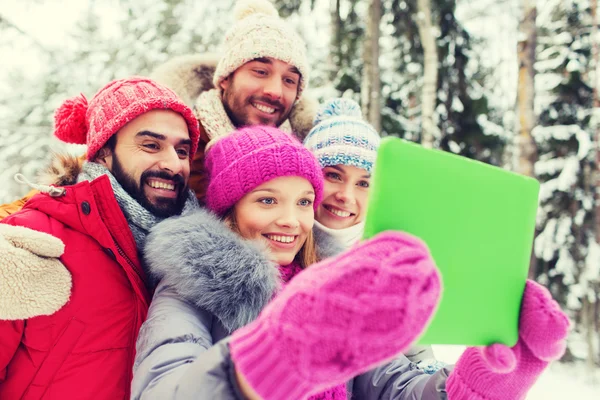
(346, 147)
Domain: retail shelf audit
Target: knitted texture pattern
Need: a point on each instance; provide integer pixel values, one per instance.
(94, 122)
(340, 136)
(339, 318)
(215, 120)
(498, 372)
(259, 32)
(338, 392)
(248, 157)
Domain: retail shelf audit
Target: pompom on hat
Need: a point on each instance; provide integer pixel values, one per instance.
(340, 136)
(251, 156)
(259, 32)
(93, 123)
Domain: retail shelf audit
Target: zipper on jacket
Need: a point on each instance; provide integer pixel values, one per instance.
(131, 264)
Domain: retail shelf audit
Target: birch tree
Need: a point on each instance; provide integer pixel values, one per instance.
(371, 81)
(335, 41)
(430, 72)
(525, 149)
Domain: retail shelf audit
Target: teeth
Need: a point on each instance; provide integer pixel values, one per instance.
(282, 239)
(262, 108)
(161, 185)
(340, 213)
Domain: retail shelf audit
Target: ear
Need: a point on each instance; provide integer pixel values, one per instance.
(104, 157)
(225, 83)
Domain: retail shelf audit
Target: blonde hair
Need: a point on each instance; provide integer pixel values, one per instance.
(307, 255)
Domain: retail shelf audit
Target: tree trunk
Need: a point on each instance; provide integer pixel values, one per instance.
(430, 72)
(525, 149)
(596, 119)
(371, 82)
(595, 326)
(335, 42)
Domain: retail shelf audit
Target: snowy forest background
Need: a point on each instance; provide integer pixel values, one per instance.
(508, 82)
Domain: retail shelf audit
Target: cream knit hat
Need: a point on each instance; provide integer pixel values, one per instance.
(259, 32)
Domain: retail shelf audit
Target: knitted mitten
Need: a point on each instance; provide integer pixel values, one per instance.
(33, 281)
(339, 318)
(498, 372)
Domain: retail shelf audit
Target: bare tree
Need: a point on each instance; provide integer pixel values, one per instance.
(371, 82)
(525, 149)
(430, 72)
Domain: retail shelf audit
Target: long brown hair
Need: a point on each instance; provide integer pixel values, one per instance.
(308, 252)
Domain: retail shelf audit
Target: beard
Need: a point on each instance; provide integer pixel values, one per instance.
(163, 207)
(232, 100)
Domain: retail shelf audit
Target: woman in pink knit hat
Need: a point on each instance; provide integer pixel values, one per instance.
(252, 304)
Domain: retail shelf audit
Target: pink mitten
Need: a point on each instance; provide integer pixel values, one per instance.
(499, 372)
(340, 317)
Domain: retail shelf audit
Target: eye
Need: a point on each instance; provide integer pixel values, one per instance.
(151, 146)
(333, 176)
(260, 72)
(290, 81)
(267, 201)
(305, 203)
(183, 153)
(364, 184)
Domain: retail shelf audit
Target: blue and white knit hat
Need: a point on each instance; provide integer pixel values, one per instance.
(340, 136)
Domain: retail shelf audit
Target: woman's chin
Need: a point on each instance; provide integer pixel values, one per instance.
(283, 260)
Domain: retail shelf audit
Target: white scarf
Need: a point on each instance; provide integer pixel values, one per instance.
(347, 236)
(214, 119)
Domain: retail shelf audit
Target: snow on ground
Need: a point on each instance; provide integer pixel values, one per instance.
(558, 382)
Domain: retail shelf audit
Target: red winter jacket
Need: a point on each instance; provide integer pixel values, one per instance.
(86, 349)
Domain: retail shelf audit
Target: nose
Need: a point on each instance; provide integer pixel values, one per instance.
(171, 162)
(288, 218)
(345, 194)
(273, 87)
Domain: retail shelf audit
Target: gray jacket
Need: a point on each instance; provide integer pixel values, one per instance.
(212, 282)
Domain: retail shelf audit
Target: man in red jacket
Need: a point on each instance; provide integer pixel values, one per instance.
(73, 292)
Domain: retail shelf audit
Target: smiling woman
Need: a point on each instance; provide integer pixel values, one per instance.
(261, 196)
(278, 212)
(346, 147)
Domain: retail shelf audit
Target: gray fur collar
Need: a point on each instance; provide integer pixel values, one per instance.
(189, 75)
(214, 268)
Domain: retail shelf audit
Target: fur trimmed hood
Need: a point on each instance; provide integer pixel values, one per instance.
(63, 170)
(214, 268)
(190, 75)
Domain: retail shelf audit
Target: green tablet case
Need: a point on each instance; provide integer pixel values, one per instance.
(478, 222)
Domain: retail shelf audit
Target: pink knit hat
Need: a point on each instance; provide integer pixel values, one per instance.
(77, 121)
(250, 156)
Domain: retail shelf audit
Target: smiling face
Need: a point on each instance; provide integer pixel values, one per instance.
(260, 92)
(345, 196)
(279, 212)
(150, 159)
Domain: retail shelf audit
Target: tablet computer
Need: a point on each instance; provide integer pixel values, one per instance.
(478, 222)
